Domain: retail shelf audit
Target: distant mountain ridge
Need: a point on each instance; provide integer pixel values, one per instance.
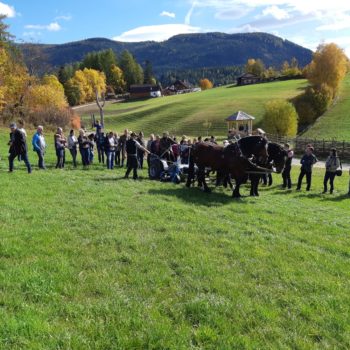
(186, 51)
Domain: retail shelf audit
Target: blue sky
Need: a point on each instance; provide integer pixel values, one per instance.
(306, 22)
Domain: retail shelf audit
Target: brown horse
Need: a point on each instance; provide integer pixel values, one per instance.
(277, 160)
(233, 160)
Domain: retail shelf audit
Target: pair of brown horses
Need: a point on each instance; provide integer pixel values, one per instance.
(235, 160)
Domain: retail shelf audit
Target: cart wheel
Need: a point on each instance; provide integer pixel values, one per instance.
(155, 170)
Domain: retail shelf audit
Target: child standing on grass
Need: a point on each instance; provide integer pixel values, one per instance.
(307, 162)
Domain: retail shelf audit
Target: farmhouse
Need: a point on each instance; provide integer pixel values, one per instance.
(179, 87)
(248, 79)
(144, 91)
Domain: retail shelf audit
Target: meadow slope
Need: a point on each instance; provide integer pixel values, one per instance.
(91, 261)
(189, 113)
(335, 123)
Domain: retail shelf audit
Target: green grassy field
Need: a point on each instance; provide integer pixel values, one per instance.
(187, 114)
(91, 261)
(335, 124)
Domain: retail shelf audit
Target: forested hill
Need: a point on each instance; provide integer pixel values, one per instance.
(187, 51)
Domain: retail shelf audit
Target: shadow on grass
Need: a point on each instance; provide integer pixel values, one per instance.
(119, 178)
(337, 198)
(197, 196)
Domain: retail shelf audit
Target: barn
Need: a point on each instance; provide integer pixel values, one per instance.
(144, 91)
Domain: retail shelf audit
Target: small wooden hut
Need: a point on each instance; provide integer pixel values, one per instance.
(240, 121)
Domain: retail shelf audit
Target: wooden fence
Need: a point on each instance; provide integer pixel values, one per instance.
(321, 146)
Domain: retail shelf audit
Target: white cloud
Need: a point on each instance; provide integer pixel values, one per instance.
(156, 32)
(168, 14)
(246, 28)
(64, 18)
(233, 13)
(52, 27)
(32, 34)
(190, 12)
(7, 10)
(276, 13)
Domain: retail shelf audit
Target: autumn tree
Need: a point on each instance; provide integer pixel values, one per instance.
(328, 67)
(280, 118)
(14, 79)
(87, 81)
(117, 79)
(205, 84)
(255, 67)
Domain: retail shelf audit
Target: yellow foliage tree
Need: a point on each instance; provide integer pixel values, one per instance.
(254, 66)
(52, 80)
(88, 81)
(46, 104)
(328, 67)
(117, 79)
(280, 118)
(205, 84)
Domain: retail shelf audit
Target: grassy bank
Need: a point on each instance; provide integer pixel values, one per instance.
(335, 123)
(91, 261)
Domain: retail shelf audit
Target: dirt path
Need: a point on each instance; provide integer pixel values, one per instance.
(321, 164)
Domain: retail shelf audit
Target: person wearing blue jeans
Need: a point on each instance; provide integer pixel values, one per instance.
(18, 147)
(39, 146)
(110, 147)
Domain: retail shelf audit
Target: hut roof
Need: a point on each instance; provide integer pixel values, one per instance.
(239, 116)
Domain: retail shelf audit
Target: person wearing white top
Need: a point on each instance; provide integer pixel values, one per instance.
(72, 146)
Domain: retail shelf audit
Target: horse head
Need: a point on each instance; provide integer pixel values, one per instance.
(255, 146)
(277, 156)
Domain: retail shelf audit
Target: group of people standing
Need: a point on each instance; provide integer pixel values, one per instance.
(130, 149)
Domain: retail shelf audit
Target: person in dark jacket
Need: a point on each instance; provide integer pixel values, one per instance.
(100, 145)
(307, 162)
(60, 145)
(165, 149)
(122, 145)
(132, 146)
(18, 147)
(287, 182)
(140, 152)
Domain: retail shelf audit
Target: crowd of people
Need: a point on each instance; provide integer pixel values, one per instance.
(129, 149)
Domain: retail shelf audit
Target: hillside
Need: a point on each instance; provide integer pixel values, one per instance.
(335, 123)
(184, 51)
(191, 113)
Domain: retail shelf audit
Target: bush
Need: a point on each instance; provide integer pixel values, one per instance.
(280, 118)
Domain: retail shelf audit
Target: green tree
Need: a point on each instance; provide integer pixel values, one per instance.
(148, 73)
(280, 118)
(133, 73)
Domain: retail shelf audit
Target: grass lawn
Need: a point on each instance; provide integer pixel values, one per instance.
(91, 261)
(187, 114)
(335, 123)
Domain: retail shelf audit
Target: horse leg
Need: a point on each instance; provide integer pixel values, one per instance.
(270, 179)
(253, 181)
(203, 182)
(190, 176)
(235, 193)
(256, 187)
